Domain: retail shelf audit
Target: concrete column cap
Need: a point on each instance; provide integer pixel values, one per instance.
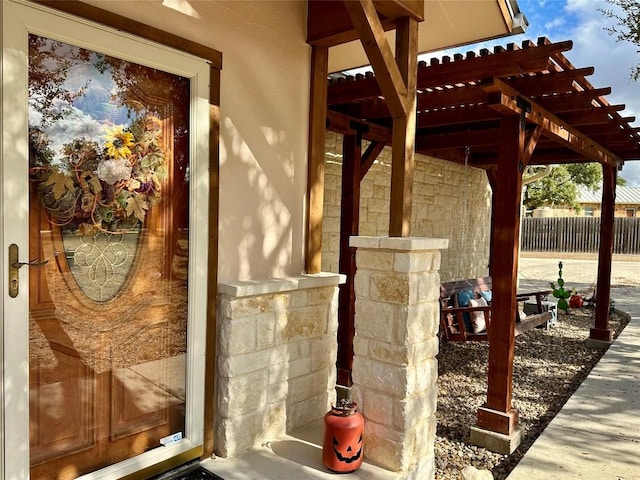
(399, 243)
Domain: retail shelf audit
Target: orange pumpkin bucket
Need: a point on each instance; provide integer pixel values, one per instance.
(342, 449)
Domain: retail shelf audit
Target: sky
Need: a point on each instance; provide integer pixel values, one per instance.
(90, 113)
(582, 22)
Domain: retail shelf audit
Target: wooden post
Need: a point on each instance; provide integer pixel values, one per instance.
(497, 414)
(397, 78)
(212, 284)
(317, 133)
(491, 177)
(404, 131)
(402, 160)
(349, 224)
(601, 330)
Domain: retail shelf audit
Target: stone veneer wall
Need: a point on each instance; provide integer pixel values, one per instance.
(450, 201)
(276, 357)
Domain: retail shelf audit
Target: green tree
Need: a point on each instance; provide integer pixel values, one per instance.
(560, 187)
(627, 28)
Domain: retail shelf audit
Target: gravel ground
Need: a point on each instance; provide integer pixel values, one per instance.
(549, 366)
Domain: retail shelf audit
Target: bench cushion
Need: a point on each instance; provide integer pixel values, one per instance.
(463, 299)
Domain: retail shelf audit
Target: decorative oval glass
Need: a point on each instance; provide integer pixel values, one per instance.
(101, 263)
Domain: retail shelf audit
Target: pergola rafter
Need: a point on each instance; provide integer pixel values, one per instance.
(453, 97)
(506, 99)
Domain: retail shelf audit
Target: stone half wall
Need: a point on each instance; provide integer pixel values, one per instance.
(276, 355)
(450, 201)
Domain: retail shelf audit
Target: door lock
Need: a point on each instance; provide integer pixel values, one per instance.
(15, 266)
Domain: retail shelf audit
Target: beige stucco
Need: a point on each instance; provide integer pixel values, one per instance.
(263, 126)
(450, 201)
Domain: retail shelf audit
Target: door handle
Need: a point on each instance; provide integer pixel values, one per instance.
(15, 266)
(32, 263)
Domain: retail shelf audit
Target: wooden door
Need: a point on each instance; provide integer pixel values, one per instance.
(107, 378)
(105, 137)
(108, 312)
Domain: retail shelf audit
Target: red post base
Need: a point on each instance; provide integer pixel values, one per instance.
(601, 334)
(344, 377)
(497, 421)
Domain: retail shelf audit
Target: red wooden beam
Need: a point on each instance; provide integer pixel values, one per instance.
(601, 330)
(504, 98)
(544, 83)
(367, 23)
(346, 125)
(497, 414)
(370, 155)
(349, 224)
(471, 69)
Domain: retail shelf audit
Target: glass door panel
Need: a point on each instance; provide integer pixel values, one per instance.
(109, 211)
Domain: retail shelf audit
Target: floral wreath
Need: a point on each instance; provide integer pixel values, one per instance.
(101, 189)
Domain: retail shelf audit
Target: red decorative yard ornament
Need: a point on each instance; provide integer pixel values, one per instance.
(343, 430)
(575, 301)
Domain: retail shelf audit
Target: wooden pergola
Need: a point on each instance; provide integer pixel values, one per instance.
(500, 110)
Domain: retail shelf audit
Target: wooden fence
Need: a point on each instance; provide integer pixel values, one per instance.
(578, 234)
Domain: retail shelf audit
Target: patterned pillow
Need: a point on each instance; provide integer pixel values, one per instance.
(487, 295)
(478, 322)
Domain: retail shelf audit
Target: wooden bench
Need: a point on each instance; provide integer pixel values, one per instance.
(453, 326)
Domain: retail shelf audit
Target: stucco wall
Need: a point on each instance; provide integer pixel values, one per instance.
(450, 201)
(263, 127)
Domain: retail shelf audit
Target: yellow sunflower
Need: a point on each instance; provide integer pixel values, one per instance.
(118, 142)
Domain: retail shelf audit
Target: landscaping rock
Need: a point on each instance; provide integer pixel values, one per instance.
(549, 366)
(472, 473)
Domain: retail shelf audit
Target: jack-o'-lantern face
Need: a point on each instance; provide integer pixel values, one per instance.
(346, 449)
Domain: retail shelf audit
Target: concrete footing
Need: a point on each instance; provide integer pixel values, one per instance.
(497, 442)
(600, 344)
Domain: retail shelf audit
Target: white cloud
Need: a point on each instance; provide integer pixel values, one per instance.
(555, 23)
(75, 124)
(582, 22)
(612, 60)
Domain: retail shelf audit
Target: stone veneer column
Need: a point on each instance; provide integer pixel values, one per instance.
(276, 358)
(395, 368)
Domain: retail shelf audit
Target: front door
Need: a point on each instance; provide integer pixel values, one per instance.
(102, 354)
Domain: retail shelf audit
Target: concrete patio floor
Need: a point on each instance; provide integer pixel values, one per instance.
(596, 435)
(297, 456)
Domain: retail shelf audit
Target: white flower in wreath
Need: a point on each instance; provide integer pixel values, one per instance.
(113, 170)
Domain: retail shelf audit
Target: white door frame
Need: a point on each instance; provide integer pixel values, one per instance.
(19, 18)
